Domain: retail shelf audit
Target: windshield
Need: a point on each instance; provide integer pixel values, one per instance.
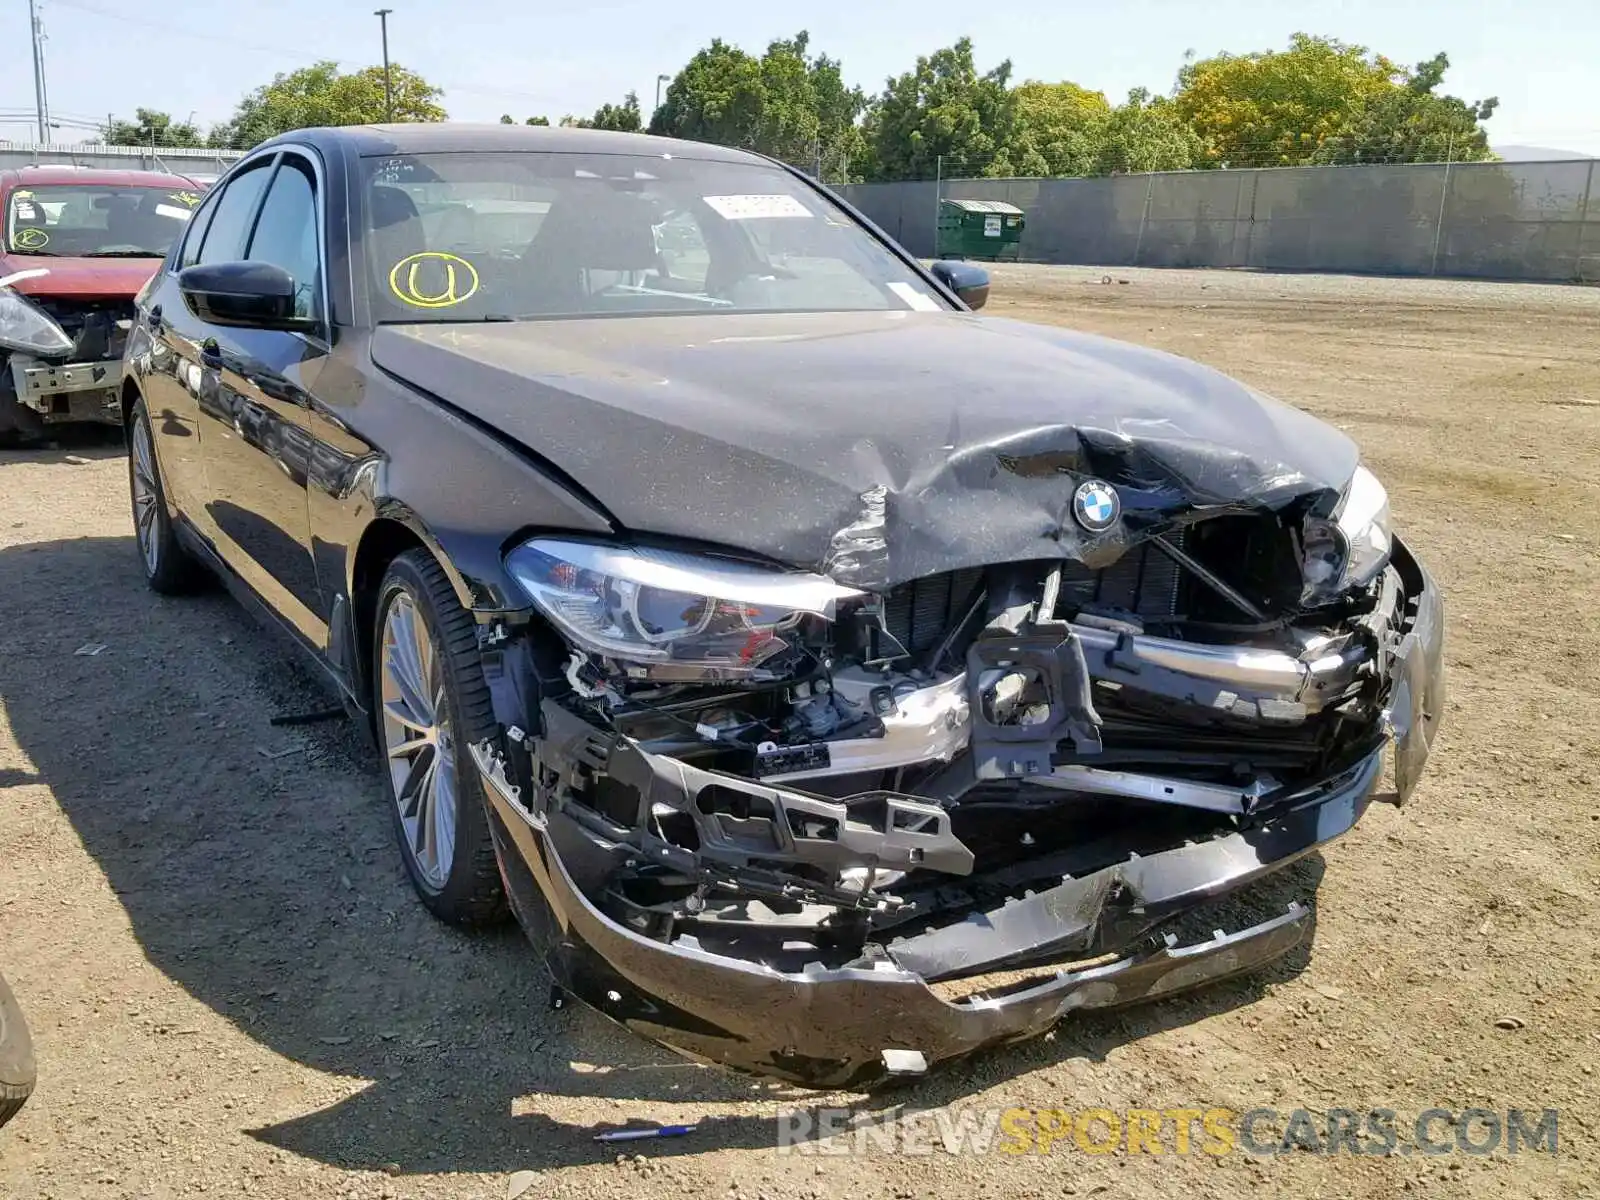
(96, 220)
(471, 237)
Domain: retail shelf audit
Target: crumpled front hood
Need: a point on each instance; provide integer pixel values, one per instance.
(879, 447)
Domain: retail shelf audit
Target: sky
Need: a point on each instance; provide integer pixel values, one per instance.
(494, 56)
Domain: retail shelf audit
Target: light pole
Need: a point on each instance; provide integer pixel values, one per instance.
(660, 79)
(388, 88)
(37, 31)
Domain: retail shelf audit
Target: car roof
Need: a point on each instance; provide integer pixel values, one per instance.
(62, 174)
(371, 141)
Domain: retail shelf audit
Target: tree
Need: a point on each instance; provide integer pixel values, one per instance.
(1146, 134)
(1412, 123)
(152, 128)
(537, 121)
(624, 117)
(1278, 107)
(787, 103)
(1060, 128)
(943, 108)
(323, 95)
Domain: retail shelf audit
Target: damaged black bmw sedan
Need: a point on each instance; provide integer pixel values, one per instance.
(833, 681)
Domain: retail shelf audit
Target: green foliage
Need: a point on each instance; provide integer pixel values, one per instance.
(1411, 123)
(1320, 101)
(152, 128)
(943, 109)
(1146, 134)
(1275, 108)
(787, 103)
(624, 117)
(323, 95)
(1060, 128)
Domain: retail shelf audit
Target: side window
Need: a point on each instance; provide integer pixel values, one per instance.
(230, 222)
(196, 235)
(286, 233)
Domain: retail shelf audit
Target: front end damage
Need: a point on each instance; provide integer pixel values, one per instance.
(956, 808)
(79, 379)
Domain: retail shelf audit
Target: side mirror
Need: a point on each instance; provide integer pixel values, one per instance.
(251, 295)
(968, 282)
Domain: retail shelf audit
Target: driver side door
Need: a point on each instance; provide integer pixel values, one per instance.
(256, 438)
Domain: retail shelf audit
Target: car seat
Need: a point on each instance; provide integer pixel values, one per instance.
(586, 229)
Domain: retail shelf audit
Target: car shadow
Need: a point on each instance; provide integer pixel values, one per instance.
(256, 867)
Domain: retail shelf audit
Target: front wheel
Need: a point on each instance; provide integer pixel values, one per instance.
(17, 1070)
(430, 703)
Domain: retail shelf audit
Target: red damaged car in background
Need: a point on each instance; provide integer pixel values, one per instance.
(76, 246)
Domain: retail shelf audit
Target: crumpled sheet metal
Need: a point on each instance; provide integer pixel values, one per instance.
(881, 447)
(1011, 501)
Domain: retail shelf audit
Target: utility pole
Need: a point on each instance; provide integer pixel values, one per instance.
(660, 79)
(37, 28)
(388, 88)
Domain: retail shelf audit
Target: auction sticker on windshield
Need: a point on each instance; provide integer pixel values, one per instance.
(756, 208)
(170, 210)
(917, 301)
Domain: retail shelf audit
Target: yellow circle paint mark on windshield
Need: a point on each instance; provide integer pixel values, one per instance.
(31, 239)
(433, 280)
(188, 198)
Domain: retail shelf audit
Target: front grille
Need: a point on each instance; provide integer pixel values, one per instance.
(1143, 581)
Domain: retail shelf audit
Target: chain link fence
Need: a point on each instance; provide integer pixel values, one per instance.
(1521, 221)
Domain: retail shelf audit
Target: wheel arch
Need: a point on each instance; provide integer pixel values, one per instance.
(394, 531)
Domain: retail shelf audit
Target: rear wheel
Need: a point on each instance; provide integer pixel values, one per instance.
(17, 1070)
(168, 567)
(431, 703)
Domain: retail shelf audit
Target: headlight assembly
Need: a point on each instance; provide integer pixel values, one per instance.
(669, 615)
(24, 327)
(1350, 550)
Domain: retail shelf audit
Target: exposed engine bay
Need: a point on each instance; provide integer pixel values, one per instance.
(911, 770)
(83, 382)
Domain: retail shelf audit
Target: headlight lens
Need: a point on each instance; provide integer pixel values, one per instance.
(665, 614)
(24, 327)
(1350, 550)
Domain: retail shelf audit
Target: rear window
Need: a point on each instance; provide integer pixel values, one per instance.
(96, 220)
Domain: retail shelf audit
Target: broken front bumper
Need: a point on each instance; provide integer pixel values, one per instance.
(855, 1025)
(70, 391)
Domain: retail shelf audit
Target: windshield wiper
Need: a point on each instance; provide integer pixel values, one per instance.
(124, 254)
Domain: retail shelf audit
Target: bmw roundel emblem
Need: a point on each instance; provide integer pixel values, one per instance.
(1096, 505)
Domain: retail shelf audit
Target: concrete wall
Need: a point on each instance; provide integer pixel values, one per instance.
(1526, 221)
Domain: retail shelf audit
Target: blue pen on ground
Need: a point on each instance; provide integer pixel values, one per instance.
(634, 1135)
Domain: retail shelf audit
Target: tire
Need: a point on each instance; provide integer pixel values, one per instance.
(19, 424)
(17, 1068)
(457, 876)
(168, 568)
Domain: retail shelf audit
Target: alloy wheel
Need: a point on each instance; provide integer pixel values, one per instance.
(146, 497)
(418, 745)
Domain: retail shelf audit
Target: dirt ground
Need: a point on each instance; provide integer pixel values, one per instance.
(232, 991)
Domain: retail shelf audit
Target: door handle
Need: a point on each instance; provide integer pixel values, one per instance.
(152, 318)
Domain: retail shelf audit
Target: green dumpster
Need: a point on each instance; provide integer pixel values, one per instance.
(989, 229)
